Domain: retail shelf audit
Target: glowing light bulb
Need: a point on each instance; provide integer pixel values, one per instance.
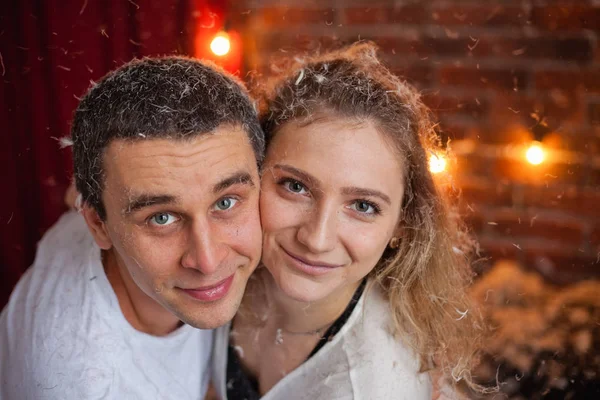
(220, 44)
(535, 153)
(437, 163)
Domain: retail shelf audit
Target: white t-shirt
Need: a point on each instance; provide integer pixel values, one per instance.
(362, 362)
(63, 335)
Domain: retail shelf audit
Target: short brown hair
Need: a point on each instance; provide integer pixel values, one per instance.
(171, 97)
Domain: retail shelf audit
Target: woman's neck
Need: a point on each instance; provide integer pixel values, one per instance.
(277, 333)
(294, 316)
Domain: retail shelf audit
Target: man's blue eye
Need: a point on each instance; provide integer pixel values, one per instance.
(225, 203)
(162, 219)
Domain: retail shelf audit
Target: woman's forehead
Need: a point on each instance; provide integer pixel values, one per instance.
(338, 153)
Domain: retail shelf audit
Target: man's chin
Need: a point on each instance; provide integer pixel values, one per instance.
(210, 315)
(193, 310)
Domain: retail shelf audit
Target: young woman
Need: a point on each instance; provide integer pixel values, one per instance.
(363, 286)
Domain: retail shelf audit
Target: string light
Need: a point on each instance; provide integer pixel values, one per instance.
(535, 153)
(437, 163)
(220, 44)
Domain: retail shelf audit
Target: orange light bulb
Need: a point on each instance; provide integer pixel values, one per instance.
(535, 153)
(220, 44)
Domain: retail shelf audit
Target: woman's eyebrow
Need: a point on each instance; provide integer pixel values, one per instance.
(352, 190)
(308, 178)
(357, 191)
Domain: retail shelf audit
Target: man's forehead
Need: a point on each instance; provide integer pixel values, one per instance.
(226, 133)
(206, 157)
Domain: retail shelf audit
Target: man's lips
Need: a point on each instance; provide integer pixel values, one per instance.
(212, 292)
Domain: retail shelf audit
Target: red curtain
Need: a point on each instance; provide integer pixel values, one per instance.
(49, 52)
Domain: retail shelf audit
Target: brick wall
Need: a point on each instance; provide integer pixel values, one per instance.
(494, 72)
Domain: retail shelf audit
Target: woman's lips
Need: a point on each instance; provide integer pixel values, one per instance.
(308, 266)
(213, 292)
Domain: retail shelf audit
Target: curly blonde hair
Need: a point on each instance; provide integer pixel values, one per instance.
(426, 275)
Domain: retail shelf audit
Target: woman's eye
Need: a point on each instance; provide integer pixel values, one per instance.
(294, 186)
(225, 203)
(163, 219)
(364, 207)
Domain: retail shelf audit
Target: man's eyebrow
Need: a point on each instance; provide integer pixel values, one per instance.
(308, 178)
(147, 200)
(238, 178)
(356, 191)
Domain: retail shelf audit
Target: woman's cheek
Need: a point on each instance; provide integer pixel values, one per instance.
(366, 246)
(271, 207)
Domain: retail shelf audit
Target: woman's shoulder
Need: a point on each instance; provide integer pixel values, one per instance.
(373, 328)
(381, 362)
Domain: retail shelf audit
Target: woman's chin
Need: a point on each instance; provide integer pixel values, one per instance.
(299, 288)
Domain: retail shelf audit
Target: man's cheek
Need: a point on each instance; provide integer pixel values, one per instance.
(245, 225)
(124, 238)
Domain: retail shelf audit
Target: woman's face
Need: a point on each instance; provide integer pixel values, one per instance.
(330, 203)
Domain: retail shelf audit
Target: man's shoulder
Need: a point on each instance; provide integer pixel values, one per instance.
(58, 279)
(67, 241)
(55, 296)
(45, 329)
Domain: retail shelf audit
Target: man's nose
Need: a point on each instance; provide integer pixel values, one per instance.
(205, 251)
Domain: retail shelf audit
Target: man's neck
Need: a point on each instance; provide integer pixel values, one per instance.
(142, 312)
(301, 317)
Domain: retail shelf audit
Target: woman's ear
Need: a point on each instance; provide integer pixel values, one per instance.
(396, 237)
(399, 230)
(97, 227)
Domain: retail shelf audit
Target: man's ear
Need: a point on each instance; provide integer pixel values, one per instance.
(97, 227)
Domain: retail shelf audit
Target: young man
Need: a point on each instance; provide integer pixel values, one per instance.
(166, 153)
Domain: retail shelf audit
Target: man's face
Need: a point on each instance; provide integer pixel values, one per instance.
(183, 219)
